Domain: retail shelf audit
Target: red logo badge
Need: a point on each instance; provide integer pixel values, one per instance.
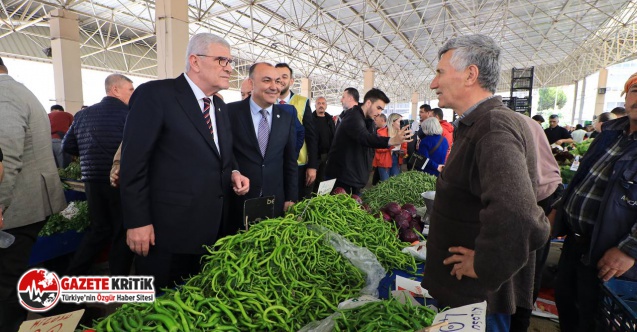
(39, 290)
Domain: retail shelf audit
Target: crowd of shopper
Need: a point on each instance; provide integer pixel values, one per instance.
(168, 166)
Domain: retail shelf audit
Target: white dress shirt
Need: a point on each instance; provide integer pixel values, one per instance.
(255, 111)
(200, 95)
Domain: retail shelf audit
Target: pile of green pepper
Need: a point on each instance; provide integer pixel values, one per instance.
(403, 188)
(278, 276)
(388, 315)
(341, 214)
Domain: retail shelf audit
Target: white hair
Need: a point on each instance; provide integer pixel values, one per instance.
(431, 126)
(199, 43)
(479, 50)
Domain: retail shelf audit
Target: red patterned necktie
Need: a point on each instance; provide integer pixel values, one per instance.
(206, 114)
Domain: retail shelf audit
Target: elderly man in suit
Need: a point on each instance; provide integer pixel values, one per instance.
(31, 190)
(265, 140)
(178, 169)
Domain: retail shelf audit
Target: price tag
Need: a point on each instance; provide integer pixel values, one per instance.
(326, 187)
(471, 317)
(257, 209)
(60, 323)
(575, 164)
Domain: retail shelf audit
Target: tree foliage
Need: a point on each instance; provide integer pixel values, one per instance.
(551, 98)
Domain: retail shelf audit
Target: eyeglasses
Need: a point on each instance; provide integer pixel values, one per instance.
(223, 61)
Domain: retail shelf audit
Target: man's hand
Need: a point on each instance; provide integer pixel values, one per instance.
(403, 135)
(310, 176)
(240, 184)
(115, 177)
(462, 262)
(614, 263)
(440, 168)
(287, 205)
(140, 239)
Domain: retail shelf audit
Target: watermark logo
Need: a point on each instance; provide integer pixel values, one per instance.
(40, 290)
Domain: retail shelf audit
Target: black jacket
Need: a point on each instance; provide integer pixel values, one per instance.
(172, 175)
(276, 174)
(95, 135)
(331, 127)
(352, 151)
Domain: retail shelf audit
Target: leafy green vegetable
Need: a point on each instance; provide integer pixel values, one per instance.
(582, 148)
(567, 174)
(57, 223)
(72, 171)
(403, 188)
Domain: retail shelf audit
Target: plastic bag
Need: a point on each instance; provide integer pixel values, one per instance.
(418, 250)
(70, 211)
(360, 257)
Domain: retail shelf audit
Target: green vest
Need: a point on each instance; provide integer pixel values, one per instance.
(299, 103)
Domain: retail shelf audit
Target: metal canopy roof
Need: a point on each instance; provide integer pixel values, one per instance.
(333, 41)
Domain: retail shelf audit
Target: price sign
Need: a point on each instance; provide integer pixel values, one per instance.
(60, 323)
(462, 319)
(325, 187)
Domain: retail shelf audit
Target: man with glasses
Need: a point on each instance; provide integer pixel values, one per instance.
(556, 134)
(178, 169)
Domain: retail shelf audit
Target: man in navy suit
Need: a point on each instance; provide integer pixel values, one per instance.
(265, 141)
(178, 169)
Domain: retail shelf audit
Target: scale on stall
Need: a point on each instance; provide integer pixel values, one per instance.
(257, 209)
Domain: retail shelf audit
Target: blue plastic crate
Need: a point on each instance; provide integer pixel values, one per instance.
(388, 284)
(72, 196)
(618, 308)
(56, 245)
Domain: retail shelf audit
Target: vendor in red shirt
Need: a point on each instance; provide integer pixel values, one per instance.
(60, 123)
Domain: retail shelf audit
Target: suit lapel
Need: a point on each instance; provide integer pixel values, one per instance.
(248, 126)
(277, 125)
(190, 106)
(222, 130)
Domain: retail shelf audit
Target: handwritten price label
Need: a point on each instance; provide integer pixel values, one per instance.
(462, 319)
(60, 323)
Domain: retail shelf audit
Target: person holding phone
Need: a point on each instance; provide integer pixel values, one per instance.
(350, 157)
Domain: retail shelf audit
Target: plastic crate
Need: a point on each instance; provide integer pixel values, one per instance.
(55, 245)
(618, 308)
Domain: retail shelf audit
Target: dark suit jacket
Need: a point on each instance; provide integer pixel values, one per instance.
(172, 175)
(276, 173)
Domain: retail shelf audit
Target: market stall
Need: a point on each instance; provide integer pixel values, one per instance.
(285, 273)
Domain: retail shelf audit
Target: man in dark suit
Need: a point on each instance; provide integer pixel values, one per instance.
(308, 155)
(265, 141)
(178, 169)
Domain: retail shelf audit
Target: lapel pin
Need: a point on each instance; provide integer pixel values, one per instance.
(278, 116)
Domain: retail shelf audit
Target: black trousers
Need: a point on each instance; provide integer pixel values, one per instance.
(577, 289)
(14, 262)
(304, 191)
(320, 172)
(521, 320)
(169, 269)
(105, 211)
